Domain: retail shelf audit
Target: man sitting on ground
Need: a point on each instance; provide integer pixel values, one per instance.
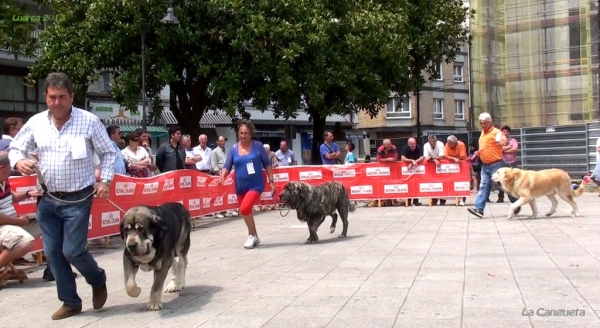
(17, 233)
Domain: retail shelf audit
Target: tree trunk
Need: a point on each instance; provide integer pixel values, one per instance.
(318, 131)
(190, 109)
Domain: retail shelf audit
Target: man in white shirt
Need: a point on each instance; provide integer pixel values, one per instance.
(202, 150)
(433, 150)
(285, 157)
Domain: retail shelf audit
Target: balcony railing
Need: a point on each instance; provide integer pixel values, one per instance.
(397, 114)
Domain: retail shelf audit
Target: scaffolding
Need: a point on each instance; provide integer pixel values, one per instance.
(535, 62)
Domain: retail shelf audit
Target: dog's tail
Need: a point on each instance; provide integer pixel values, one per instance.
(352, 206)
(577, 192)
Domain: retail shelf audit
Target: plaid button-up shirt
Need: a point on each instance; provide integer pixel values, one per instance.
(55, 149)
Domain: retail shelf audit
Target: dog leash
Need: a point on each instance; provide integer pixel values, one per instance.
(41, 186)
(279, 204)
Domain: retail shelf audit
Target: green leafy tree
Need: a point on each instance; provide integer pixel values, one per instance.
(339, 57)
(16, 30)
(317, 56)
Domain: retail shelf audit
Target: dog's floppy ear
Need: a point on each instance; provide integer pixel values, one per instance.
(158, 222)
(508, 174)
(121, 228)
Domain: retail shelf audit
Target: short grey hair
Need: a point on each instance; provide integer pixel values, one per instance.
(485, 117)
(58, 80)
(432, 137)
(186, 136)
(4, 158)
(267, 147)
(452, 138)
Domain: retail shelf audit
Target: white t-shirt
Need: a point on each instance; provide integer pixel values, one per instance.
(438, 150)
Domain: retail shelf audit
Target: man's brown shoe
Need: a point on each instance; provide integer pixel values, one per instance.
(99, 295)
(65, 311)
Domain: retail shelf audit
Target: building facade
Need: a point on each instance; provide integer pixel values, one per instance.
(444, 109)
(535, 62)
(16, 99)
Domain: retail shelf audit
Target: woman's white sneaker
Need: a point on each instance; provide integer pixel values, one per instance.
(251, 241)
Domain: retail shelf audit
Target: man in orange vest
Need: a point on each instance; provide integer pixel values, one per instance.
(490, 155)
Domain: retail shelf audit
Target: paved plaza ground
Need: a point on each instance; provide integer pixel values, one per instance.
(399, 267)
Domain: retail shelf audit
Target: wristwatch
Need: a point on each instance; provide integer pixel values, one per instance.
(106, 181)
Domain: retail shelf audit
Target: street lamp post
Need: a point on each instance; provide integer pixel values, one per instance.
(169, 19)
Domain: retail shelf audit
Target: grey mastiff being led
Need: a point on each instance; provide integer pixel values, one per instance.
(314, 203)
(154, 236)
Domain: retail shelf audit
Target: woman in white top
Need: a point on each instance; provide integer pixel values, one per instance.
(137, 158)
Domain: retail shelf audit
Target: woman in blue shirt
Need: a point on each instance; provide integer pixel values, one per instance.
(248, 157)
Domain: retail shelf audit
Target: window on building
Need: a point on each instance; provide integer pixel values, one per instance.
(459, 110)
(439, 71)
(105, 82)
(574, 39)
(458, 73)
(12, 93)
(438, 109)
(398, 107)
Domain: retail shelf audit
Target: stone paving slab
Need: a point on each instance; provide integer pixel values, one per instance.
(399, 267)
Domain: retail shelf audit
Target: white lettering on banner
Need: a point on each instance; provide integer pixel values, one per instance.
(231, 199)
(30, 200)
(206, 202)
(266, 195)
(90, 223)
(219, 200)
(150, 188)
(201, 181)
(377, 171)
(125, 188)
(169, 184)
(214, 183)
(281, 177)
(110, 219)
(228, 182)
(344, 173)
(395, 189)
(419, 169)
(448, 168)
(431, 187)
(194, 204)
(361, 190)
(311, 175)
(185, 182)
(462, 186)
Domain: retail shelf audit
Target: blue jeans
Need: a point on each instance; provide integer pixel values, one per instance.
(486, 183)
(64, 235)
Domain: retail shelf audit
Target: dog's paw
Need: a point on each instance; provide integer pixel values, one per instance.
(332, 230)
(173, 287)
(309, 241)
(133, 291)
(575, 215)
(550, 213)
(154, 306)
(342, 236)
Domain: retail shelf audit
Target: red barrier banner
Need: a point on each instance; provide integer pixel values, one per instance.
(203, 195)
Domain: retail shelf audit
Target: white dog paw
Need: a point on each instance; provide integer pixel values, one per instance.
(575, 215)
(332, 230)
(154, 306)
(133, 291)
(550, 213)
(173, 287)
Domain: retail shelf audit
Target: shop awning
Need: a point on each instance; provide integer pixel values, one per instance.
(154, 130)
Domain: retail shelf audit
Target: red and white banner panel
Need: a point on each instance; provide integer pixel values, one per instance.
(202, 194)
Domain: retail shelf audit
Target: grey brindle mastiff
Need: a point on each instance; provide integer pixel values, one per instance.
(314, 203)
(154, 236)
